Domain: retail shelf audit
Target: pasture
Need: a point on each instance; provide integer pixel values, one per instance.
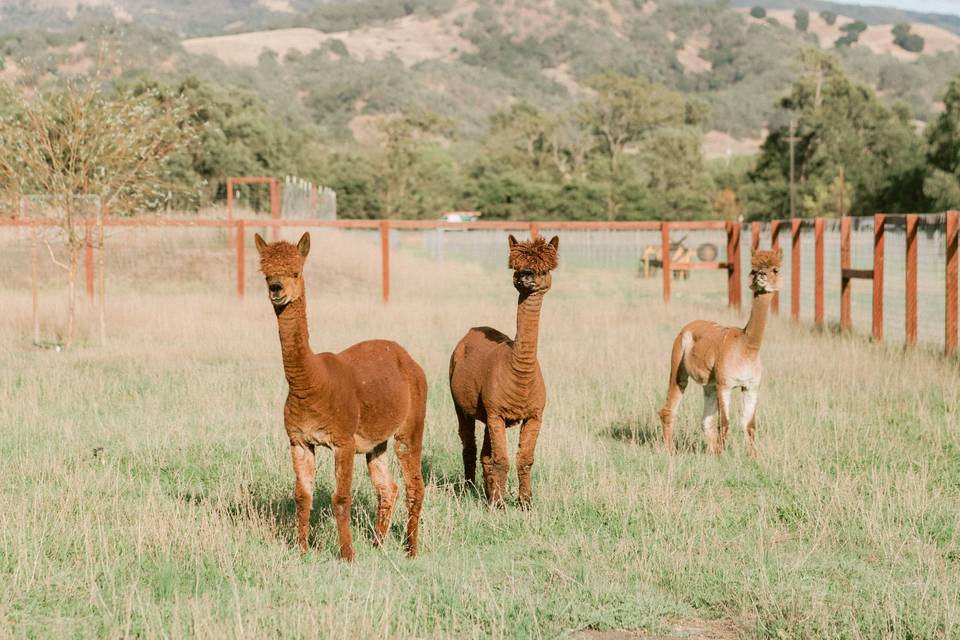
(146, 487)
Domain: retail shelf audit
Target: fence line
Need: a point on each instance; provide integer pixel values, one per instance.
(881, 222)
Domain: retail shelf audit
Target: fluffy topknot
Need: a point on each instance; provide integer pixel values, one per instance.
(766, 259)
(537, 255)
(282, 257)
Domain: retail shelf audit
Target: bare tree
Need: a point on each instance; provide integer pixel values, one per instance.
(74, 142)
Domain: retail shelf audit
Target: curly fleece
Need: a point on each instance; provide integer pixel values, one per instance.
(280, 258)
(537, 255)
(766, 259)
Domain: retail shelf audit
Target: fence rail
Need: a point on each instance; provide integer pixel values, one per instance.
(881, 223)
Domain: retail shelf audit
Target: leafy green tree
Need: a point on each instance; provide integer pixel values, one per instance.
(839, 124)
(758, 12)
(906, 40)
(942, 185)
(801, 19)
(829, 17)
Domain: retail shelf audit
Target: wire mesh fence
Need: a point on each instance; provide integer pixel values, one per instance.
(364, 257)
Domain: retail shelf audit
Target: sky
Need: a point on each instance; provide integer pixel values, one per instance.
(930, 6)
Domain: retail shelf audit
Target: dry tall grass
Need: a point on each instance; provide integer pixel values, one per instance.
(146, 487)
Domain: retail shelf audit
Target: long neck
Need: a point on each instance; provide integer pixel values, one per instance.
(295, 343)
(524, 355)
(753, 332)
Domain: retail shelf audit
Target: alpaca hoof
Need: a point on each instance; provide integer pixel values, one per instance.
(526, 502)
(346, 554)
(411, 551)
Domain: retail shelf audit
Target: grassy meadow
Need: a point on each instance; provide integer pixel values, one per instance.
(146, 488)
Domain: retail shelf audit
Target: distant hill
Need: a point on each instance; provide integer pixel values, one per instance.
(341, 66)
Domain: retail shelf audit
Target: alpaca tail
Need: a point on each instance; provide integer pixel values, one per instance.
(677, 382)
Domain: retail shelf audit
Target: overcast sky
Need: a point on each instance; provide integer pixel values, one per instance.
(932, 6)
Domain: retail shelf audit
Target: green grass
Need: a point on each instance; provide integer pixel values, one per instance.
(146, 488)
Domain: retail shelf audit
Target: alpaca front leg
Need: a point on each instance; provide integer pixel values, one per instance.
(343, 469)
(724, 394)
(751, 395)
(495, 461)
(305, 470)
(709, 420)
(525, 453)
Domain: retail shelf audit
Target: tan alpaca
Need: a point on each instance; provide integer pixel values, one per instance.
(722, 359)
(497, 380)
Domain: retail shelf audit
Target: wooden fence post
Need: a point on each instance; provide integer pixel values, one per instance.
(879, 222)
(274, 208)
(775, 245)
(845, 262)
(910, 301)
(534, 230)
(733, 264)
(385, 258)
(230, 229)
(88, 255)
(818, 227)
(240, 257)
(795, 225)
(754, 236)
(953, 224)
(665, 262)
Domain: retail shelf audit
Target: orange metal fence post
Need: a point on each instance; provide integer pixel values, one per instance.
(775, 245)
(950, 326)
(240, 257)
(665, 262)
(879, 222)
(845, 262)
(910, 302)
(754, 236)
(88, 255)
(819, 225)
(795, 225)
(733, 264)
(385, 258)
(274, 207)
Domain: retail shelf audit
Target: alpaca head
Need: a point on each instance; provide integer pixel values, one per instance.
(532, 261)
(765, 271)
(282, 265)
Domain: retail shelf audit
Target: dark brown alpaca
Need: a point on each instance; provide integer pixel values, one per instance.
(497, 380)
(351, 402)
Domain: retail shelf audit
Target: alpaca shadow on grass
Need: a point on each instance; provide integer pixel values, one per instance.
(271, 504)
(436, 473)
(646, 433)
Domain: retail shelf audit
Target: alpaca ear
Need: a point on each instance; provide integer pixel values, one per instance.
(511, 241)
(259, 242)
(780, 254)
(555, 242)
(304, 245)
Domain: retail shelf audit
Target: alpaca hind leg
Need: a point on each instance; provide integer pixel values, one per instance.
(675, 388)
(378, 466)
(305, 470)
(342, 498)
(496, 463)
(468, 439)
(525, 453)
(724, 394)
(749, 418)
(709, 419)
(408, 445)
(486, 461)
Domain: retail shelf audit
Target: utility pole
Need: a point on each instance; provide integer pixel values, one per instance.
(793, 139)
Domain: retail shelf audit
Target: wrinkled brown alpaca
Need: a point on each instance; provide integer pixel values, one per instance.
(722, 359)
(351, 402)
(497, 380)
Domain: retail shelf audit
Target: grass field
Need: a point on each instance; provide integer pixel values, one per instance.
(146, 488)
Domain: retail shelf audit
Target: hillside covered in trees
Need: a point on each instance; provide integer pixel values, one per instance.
(607, 109)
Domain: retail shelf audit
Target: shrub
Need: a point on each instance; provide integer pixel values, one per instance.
(906, 40)
(758, 12)
(829, 17)
(801, 19)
